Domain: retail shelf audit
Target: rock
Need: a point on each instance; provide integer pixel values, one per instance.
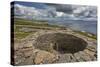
(93, 55)
(24, 55)
(78, 57)
(26, 52)
(28, 45)
(92, 47)
(85, 56)
(64, 58)
(44, 57)
(73, 59)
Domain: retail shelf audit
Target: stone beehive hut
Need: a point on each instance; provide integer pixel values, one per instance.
(60, 42)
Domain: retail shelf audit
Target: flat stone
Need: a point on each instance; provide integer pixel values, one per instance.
(44, 57)
(73, 59)
(92, 47)
(28, 45)
(91, 54)
(78, 57)
(85, 56)
(28, 54)
(65, 58)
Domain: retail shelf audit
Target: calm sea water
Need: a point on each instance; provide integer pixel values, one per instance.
(88, 26)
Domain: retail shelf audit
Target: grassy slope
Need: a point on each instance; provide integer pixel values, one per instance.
(34, 23)
(87, 34)
(21, 23)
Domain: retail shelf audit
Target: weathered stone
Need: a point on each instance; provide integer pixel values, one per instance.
(27, 53)
(28, 45)
(24, 54)
(64, 58)
(44, 57)
(92, 47)
(85, 56)
(28, 60)
(91, 54)
(78, 57)
(18, 60)
(73, 59)
(63, 43)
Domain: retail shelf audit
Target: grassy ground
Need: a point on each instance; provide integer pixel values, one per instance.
(22, 23)
(20, 34)
(87, 34)
(34, 23)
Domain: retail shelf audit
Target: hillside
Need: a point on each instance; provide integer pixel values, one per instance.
(37, 42)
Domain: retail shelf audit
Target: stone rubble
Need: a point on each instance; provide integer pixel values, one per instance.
(25, 52)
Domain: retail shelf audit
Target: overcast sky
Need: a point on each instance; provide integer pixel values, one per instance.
(56, 10)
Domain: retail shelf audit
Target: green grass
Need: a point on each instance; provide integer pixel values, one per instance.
(21, 35)
(24, 23)
(87, 34)
(16, 28)
(35, 23)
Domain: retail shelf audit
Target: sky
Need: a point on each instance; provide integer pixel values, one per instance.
(54, 11)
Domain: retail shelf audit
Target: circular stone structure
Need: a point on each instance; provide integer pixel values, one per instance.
(60, 42)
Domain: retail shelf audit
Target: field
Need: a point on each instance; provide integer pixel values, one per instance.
(23, 28)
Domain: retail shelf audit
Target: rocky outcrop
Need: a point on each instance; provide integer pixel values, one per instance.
(44, 57)
(26, 54)
(23, 54)
(26, 51)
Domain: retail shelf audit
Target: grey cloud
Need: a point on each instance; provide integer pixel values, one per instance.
(62, 7)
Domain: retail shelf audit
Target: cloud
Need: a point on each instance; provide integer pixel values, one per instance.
(76, 12)
(52, 11)
(33, 12)
(86, 11)
(62, 7)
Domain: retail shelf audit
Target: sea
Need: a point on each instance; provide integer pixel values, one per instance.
(79, 25)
